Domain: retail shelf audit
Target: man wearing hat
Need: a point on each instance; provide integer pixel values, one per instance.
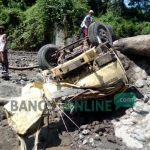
(3, 50)
(86, 22)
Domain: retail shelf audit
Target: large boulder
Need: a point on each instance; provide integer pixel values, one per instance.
(137, 45)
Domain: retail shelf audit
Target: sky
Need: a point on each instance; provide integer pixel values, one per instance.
(126, 2)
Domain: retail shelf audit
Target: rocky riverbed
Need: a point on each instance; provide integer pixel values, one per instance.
(123, 129)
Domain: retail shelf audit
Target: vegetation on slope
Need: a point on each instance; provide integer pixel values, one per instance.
(32, 23)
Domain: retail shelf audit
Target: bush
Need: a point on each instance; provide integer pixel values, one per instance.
(124, 27)
(32, 23)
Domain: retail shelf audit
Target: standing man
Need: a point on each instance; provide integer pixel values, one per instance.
(3, 50)
(86, 22)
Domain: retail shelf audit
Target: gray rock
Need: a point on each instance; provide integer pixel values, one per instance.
(92, 130)
(95, 122)
(111, 138)
(69, 41)
(99, 148)
(89, 127)
(107, 130)
(102, 128)
(96, 144)
(97, 138)
(128, 111)
(81, 136)
(2, 113)
(64, 133)
(91, 140)
(139, 137)
(119, 142)
(96, 128)
(139, 104)
(38, 70)
(137, 69)
(83, 127)
(31, 64)
(76, 138)
(136, 131)
(145, 98)
(100, 133)
(126, 65)
(56, 109)
(139, 83)
(84, 142)
(105, 122)
(4, 123)
(76, 132)
(59, 38)
(57, 119)
(28, 82)
(34, 78)
(137, 134)
(139, 145)
(144, 75)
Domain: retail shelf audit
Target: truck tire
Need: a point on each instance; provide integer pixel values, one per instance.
(111, 32)
(100, 30)
(44, 58)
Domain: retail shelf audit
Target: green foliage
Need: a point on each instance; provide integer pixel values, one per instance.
(11, 19)
(32, 23)
(29, 33)
(65, 14)
(31, 27)
(124, 27)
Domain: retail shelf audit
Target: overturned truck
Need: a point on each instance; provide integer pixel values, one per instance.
(86, 69)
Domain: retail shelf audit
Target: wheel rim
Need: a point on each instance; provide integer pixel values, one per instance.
(51, 60)
(103, 34)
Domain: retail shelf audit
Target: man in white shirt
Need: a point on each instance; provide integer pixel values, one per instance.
(86, 22)
(3, 50)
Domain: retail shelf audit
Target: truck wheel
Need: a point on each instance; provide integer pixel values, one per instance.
(44, 57)
(111, 32)
(100, 30)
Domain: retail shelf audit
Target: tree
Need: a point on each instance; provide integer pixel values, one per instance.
(143, 5)
(99, 6)
(32, 23)
(60, 14)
